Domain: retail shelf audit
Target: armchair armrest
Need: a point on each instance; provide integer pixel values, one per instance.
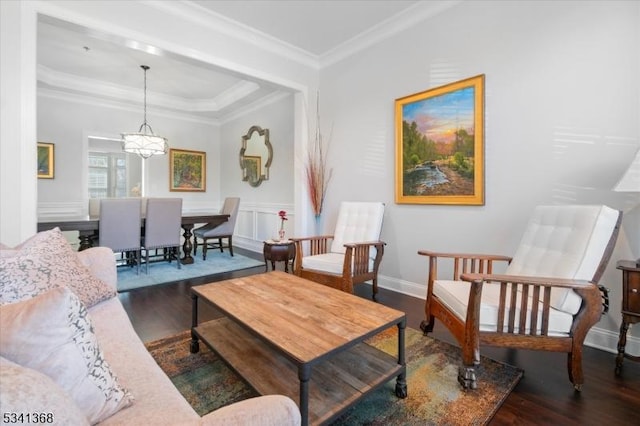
(318, 244)
(365, 243)
(357, 256)
(518, 288)
(462, 263)
(527, 280)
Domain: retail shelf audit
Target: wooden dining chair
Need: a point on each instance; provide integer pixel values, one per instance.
(547, 298)
(162, 229)
(218, 232)
(119, 227)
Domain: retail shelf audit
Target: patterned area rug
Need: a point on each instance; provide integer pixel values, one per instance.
(165, 272)
(435, 397)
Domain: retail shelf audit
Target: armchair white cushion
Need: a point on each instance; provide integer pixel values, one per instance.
(548, 297)
(355, 251)
(357, 222)
(564, 242)
(560, 242)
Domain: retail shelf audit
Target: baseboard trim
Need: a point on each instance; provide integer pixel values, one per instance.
(598, 338)
(401, 286)
(607, 340)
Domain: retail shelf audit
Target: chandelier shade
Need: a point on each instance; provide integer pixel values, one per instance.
(144, 142)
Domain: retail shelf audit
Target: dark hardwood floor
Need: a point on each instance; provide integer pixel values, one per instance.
(543, 396)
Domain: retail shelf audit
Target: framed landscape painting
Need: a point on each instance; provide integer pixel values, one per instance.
(187, 170)
(46, 160)
(440, 145)
(252, 168)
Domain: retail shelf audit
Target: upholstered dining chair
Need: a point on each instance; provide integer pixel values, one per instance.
(119, 227)
(162, 229)
(350, 256)
(94, 205)
(547, 298)
(218, 232)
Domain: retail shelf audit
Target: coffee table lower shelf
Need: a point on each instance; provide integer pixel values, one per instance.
(337, 381)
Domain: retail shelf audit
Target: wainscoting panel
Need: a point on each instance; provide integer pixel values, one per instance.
(259, 222)
(56, 210)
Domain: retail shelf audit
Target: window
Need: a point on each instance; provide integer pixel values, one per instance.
(112, 173)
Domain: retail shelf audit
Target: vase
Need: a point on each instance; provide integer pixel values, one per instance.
(281, 234)
(318, 224)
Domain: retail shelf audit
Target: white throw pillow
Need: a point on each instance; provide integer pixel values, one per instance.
(30, 397)
(52, 333)
(43, 262)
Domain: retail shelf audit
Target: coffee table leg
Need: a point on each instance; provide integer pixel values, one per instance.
(304, 374)
(194, 347)
(401, 381)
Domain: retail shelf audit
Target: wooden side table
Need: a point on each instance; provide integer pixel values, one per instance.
(630, 307)
(279, 251)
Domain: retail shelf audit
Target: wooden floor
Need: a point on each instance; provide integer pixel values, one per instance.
(543, 396)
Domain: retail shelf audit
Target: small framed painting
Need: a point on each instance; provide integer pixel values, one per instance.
(46, 160)
(252, 168)
(440, 145)
(187, 170)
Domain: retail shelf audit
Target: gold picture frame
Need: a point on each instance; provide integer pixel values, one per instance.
(252, 167)
(440, 145)
(187, 170)
(46, 160)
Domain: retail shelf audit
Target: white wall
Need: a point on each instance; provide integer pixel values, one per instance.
(259, 205)
(562, 123)
(18, 186)
(67, 123)
(169, 26)
(562, 115)
(278, 118)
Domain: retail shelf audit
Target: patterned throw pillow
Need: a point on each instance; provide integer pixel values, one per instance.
(27, 392)
(52, 333)
(43, 262)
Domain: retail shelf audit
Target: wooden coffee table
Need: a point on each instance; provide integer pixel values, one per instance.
(290, 336)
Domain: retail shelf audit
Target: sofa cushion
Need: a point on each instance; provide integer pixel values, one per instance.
(158, 402)
(52, 333)
(24, 391)
(46, 261)
(455, 295)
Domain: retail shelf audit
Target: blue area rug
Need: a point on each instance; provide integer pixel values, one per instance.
(164, 272)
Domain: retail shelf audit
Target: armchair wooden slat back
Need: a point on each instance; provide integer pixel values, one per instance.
(526, 308)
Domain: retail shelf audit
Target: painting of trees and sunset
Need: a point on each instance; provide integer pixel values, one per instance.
(439, 145)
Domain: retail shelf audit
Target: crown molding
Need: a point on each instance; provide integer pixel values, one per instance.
(395, 24)
(123, 106)
(234, 93)
(199, 15)
(124, 93)
(408, 18)
(101, 103)
(254, 106)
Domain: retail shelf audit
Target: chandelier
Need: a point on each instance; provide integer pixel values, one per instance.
(144, 142)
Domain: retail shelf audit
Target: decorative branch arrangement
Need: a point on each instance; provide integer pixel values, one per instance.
(316, 168)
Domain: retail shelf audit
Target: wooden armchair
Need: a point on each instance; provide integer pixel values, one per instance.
(350, 256)
(547, 299)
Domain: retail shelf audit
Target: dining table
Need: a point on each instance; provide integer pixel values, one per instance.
(87, 227)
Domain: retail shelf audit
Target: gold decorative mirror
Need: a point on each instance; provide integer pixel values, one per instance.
(256, 155)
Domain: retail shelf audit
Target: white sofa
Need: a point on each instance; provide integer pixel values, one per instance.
(156, 400)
